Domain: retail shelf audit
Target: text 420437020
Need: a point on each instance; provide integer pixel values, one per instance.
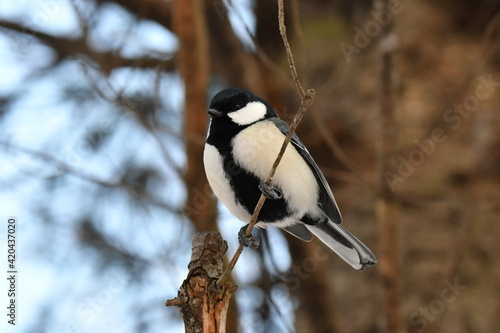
(11, 271)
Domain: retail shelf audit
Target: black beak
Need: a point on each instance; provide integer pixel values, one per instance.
(215, 113)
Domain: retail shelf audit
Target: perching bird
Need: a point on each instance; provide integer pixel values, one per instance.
(244, 137)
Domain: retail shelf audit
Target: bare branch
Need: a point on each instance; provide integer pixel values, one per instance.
(118, 99)
(202, 303)
(307, 99)
(333, 143)
(293, 69)
(79, 174)
(261, 53)
(68, 48)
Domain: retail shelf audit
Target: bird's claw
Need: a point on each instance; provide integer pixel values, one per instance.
(269, 191)
(247, 241)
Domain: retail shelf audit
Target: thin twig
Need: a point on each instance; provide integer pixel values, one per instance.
(293, 69)
(118, 98)
(307, 98)
(332, 142)
(260, 52)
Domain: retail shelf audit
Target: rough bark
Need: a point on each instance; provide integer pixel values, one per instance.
(203, 304)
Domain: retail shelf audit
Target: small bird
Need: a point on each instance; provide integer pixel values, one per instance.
(244, 137)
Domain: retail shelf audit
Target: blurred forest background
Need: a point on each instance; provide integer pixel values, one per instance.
(102, 125)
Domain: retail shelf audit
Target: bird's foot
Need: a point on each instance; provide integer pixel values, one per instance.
(270, 191)
(247, 241)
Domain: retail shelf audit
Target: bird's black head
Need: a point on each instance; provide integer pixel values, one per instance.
(239, 106)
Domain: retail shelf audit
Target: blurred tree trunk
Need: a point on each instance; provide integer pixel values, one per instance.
(193, 60)
(386, 205)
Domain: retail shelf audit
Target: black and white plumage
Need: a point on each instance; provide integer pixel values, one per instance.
(244, 138)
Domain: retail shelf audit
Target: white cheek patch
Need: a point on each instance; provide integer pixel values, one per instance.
(251, 113)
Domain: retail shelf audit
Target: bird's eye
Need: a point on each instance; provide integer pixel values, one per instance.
(237, 107)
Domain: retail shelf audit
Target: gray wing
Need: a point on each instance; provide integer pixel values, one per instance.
(326, 200)
(299, 231)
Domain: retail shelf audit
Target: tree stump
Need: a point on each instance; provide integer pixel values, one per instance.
(204, 305)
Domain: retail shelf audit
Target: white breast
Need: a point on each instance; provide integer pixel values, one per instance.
(255, 149)
(220, 184)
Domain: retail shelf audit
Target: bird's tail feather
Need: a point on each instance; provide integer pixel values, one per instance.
(345, 244)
